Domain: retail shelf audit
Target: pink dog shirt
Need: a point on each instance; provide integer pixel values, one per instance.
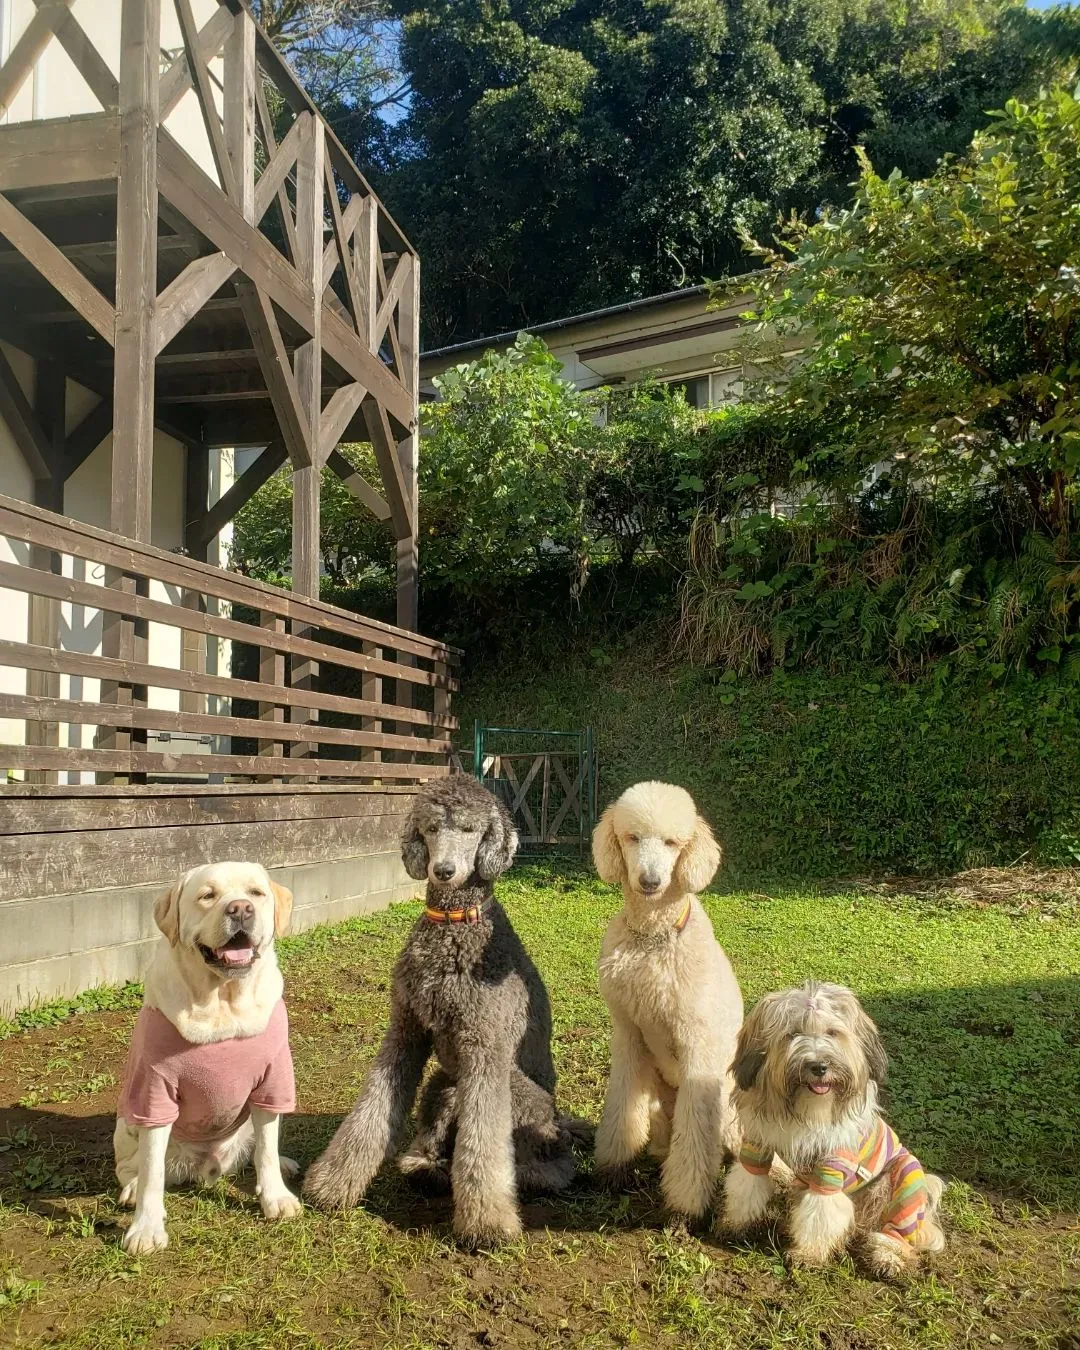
(205, 1092)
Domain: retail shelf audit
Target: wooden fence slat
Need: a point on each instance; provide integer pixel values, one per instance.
(19, 520)
(78, 712)
(76, 760)
(113, 600)
(26, 656)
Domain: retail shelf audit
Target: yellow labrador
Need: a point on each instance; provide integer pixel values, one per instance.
(209, 1072)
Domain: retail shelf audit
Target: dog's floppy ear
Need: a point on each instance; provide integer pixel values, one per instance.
(167, 911)
(414, 853)
(282, 907)
(499, 844)
(872, 1047)
(606, 853)
(749, 1053)
(699, 859)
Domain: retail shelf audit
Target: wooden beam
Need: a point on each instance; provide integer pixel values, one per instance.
(336, 416)
(176, 81)
(201, 80)
(202, 202)
(341, 238)
(367, 269)
(238, 111)
(24, 56)
(274, 175)
(358, 485)
(86, 58)
(17, 412)
(382, 442)
(307, 359)
(267, 126)
(84, 439)
(277, 371)
(40, 251)
(42, 612)
(136, 270)
(349, 218)
(408, 450)
(241, 492)
(393, 293)
(59, 151)
(186, 294)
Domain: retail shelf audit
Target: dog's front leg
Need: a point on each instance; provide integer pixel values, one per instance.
(482, 1174)
(691, 1169)
(147, 1230)
(624, 1127)
(819, 1226)
(277, 1201)
(365, 1138)
(746, 1198)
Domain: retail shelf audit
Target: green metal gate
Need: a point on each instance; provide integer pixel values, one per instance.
(547, 781)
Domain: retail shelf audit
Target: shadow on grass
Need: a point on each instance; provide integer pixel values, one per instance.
(984, 1084)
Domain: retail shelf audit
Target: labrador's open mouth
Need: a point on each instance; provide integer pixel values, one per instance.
(237, 954)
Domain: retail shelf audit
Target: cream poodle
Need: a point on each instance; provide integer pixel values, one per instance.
(674, 1001)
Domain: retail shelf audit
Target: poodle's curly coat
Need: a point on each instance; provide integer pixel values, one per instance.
(469, 992)
(674, 1000)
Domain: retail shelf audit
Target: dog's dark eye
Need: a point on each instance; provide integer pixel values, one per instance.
(671, 843)
(633, 838)
(255, 892)
(206, 895)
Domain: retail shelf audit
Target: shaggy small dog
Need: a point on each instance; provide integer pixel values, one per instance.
(807, 1071)
(465, 987)
(674, 1001)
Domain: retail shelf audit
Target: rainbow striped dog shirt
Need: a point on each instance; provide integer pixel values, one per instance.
(879, 1152)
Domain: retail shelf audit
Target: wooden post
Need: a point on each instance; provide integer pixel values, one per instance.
(136, 270)
(135, 340)
(271, 672)
(408, 451)
(196, 503)
(307, 364)
(371, 687)
(239, 110)
(43, 613)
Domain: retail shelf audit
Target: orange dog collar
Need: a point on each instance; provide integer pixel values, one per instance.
(685, 917)
(473, 914)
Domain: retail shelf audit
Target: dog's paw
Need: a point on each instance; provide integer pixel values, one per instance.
(487, 1230)
(290, 1168)
(281, 1205)
(129, 1195)
(430, 1176)
(887, 1258)
(615, 1177)
(146, 1235)
(326, 1188)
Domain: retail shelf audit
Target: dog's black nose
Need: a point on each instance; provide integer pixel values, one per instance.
(444, 871)
(818, 1068)
(243, 911)
(649, 881)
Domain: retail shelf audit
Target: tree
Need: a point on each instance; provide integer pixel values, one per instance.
(564, 154)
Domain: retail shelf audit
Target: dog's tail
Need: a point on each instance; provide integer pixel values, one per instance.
(935, 1188)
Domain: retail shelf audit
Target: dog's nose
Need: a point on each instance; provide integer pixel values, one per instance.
(818, 1068)
(649, 882)
(243, 911)
(444, 871)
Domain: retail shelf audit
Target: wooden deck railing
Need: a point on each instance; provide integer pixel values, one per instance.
(318, 694)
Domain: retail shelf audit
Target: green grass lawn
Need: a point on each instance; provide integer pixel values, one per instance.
(980, 1010)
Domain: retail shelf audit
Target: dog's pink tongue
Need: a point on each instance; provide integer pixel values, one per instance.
(235, 956)
(820, 1088)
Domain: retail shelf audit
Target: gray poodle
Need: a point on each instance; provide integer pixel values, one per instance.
(465, 987)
